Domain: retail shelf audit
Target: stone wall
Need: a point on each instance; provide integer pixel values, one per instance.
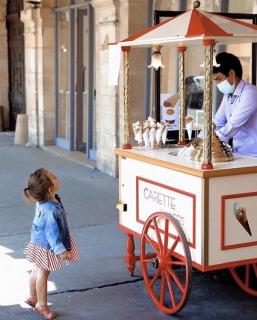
(4, 79)
(106, 97)
(116, 20)
(48, 77)
(39, 74)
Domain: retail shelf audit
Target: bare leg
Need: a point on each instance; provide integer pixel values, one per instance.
(32, 284)
(41, 287)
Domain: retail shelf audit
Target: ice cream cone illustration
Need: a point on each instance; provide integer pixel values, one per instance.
(240, 214)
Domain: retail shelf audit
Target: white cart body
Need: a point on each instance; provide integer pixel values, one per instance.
(202, 201)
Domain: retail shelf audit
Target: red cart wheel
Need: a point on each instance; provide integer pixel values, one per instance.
(166, 270)
(246, 277)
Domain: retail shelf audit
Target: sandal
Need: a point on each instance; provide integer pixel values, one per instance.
(31, 302)
(45, 312)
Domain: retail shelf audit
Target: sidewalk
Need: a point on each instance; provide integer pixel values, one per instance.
(98, 287)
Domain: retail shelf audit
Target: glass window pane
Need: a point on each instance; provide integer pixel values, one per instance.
(167, 5)
(245, 6)
(244, 53)
(194, 80)
(63, 111)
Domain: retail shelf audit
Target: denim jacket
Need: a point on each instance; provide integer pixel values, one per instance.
(49, 227)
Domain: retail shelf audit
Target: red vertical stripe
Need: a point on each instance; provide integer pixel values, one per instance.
(201, 25)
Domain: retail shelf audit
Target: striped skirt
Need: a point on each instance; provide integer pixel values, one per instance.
(47, 260)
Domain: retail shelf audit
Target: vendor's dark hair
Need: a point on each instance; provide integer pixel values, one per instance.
(227, 62)
(38, 186)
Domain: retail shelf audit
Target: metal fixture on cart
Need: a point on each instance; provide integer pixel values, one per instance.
(156, 62)
(35, 3)
(220, 151)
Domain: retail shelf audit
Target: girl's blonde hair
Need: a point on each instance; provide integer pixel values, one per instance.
(38, 186)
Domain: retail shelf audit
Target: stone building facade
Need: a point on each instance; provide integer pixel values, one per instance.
(68, 100)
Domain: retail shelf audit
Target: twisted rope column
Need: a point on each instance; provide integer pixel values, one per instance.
(126, 144)
(182, 111)
(208, 62)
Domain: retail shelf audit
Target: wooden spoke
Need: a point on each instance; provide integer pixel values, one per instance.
(247, 275)
(172, 249)
(156, 276)
(176, 279)
(148, 257)
(255, 269)
(147, 260)
(162, 290)
(172, 294)
(153, 244)
(166, 236)
(157, 232)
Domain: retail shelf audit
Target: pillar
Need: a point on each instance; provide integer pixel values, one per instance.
(4, 79)
(39, 74)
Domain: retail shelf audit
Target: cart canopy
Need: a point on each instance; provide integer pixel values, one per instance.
(191, 28)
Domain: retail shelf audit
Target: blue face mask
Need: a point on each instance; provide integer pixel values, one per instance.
(225, 87)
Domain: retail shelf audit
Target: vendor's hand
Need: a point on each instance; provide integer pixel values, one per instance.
(194, 142)
(65, 256)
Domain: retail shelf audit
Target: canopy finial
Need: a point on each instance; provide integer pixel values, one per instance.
(196, 4)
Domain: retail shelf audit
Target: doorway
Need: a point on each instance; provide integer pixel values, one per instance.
(75, 81)
(15, 30)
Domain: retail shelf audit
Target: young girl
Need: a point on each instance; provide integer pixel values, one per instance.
(51, 240)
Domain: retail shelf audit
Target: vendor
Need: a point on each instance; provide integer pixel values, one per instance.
(236, 117)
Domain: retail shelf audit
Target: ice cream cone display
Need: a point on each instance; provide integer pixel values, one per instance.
(219, 151)
(164, 132)
(152, 133)
(189, 126)
(240, 214)
(159, 130)
(146, 134)
(138, 132)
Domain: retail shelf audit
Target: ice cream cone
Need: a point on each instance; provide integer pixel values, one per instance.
(189, 127)
(240, 214)
(152, 134)
(159, 131)
(137, 129)
(164, 133)
(146, 137)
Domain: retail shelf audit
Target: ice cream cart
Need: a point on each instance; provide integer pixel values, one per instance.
(187, 213)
